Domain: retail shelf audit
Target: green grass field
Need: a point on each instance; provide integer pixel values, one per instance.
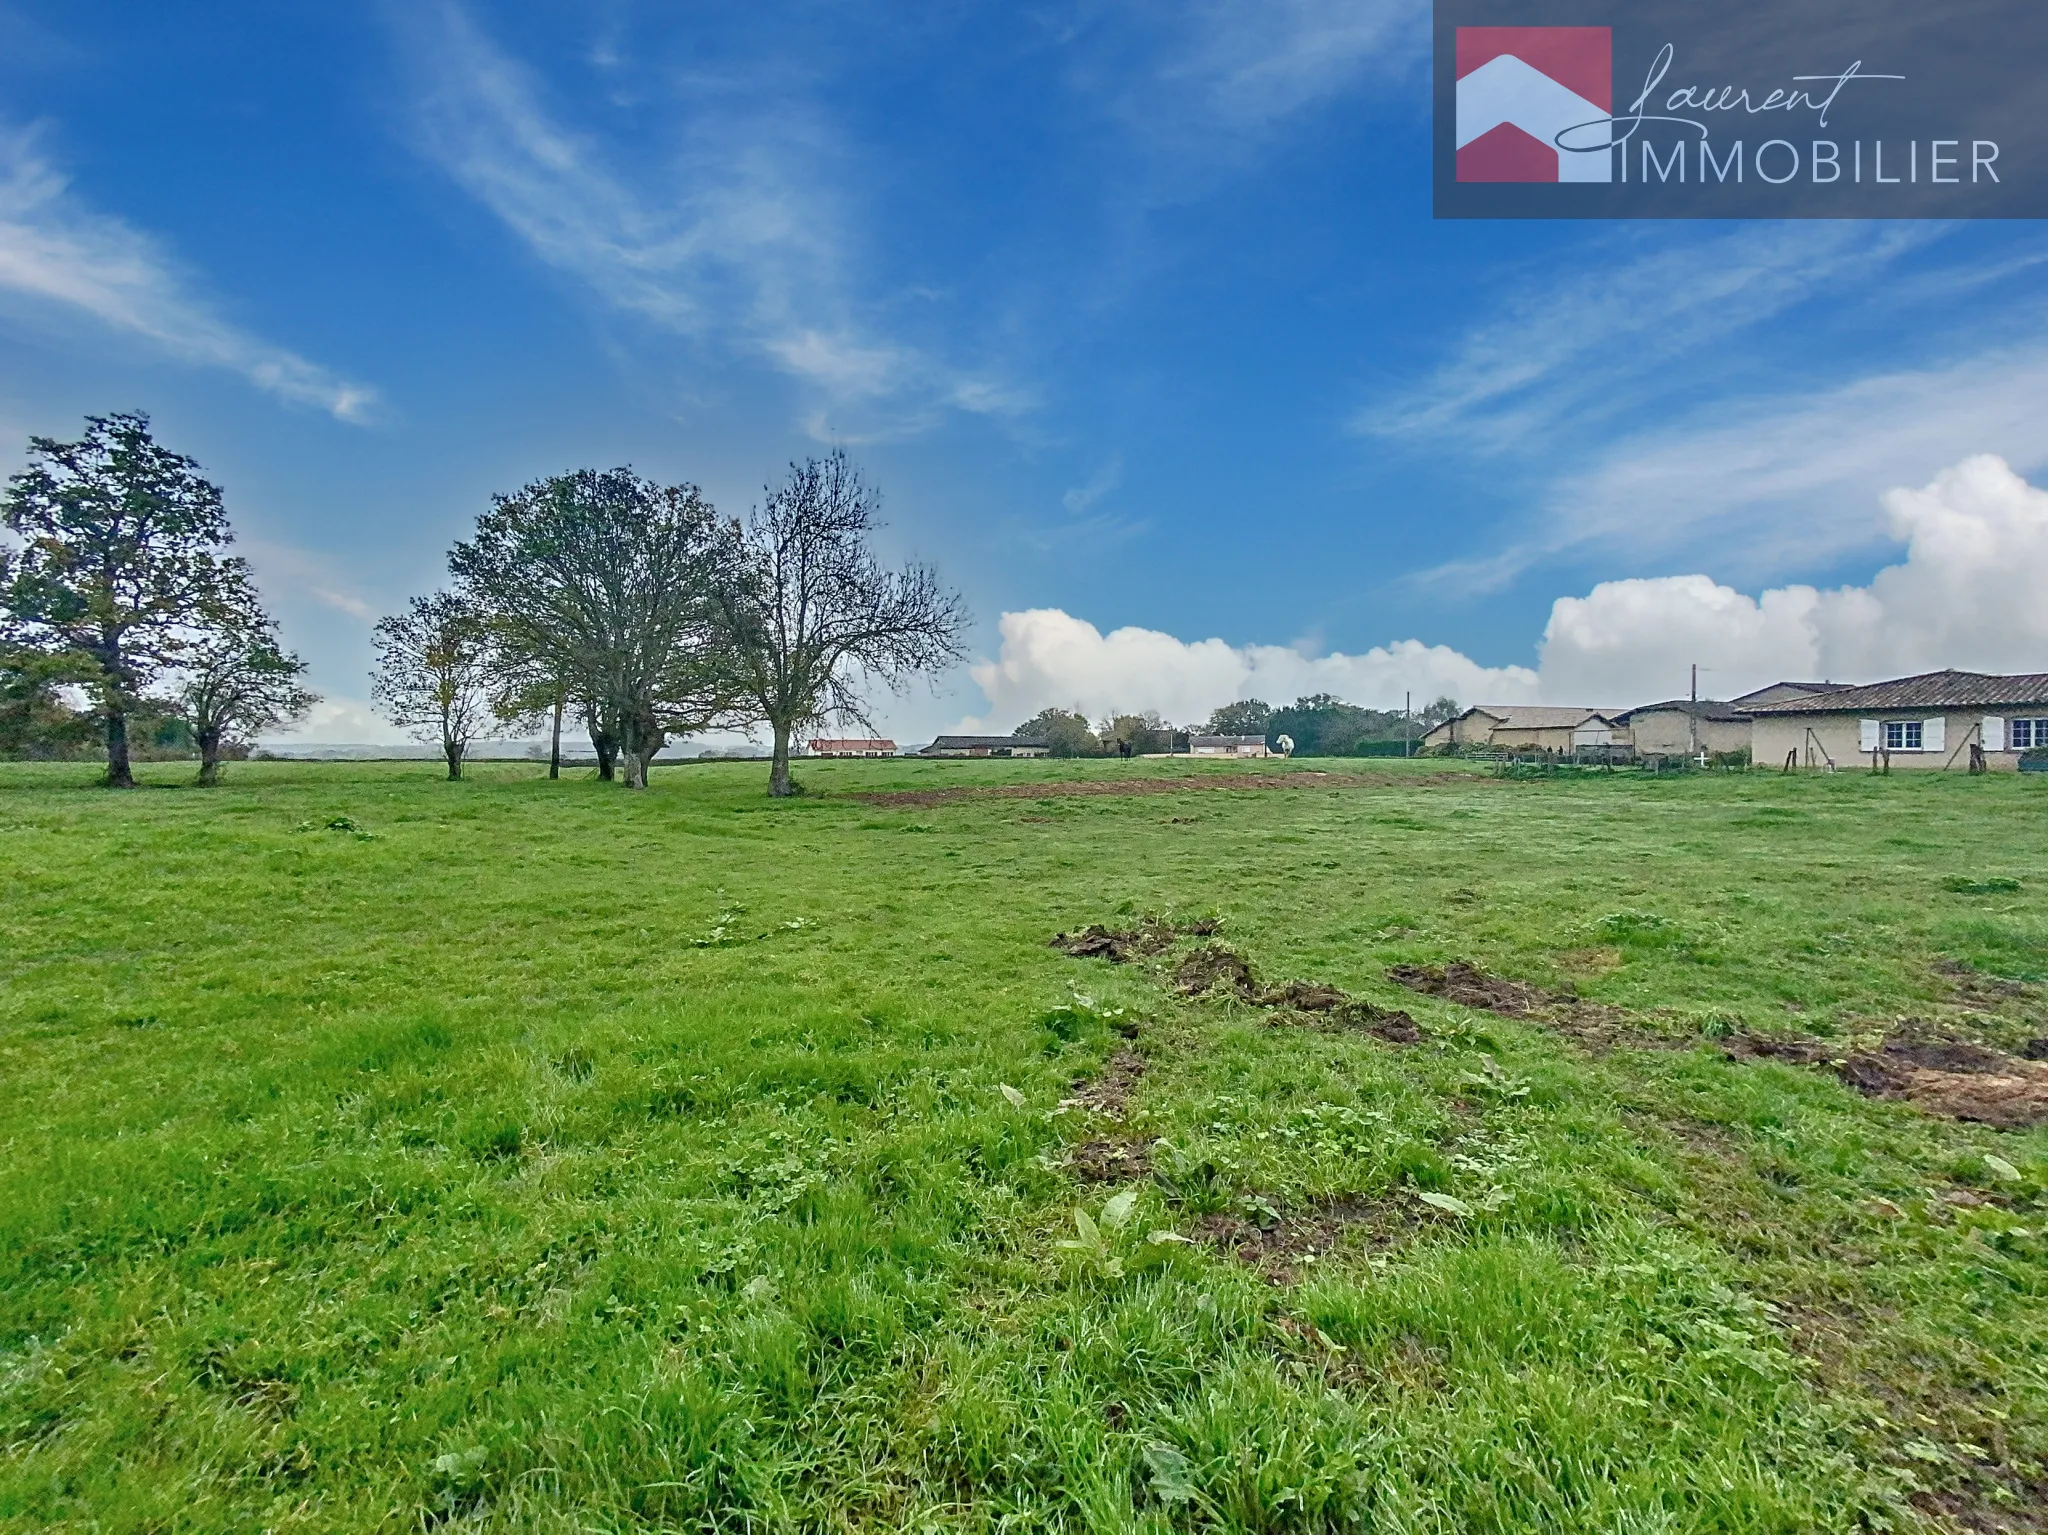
(539, 1156)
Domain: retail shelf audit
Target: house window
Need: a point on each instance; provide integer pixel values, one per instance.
(1902, 735)
(2026, 735)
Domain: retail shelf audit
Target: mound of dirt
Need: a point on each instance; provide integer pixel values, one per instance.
(1110, 1093)
(1390, 1024)
(1213, 966)
(1111, 1161)
(1469, 986)
(1955, 1078)
(1149, 935)
(1304, 997)
(1285, 1247)
(1118, 946)
(1594, 1024)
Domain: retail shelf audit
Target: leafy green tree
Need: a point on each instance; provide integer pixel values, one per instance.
(811, 617)
(1067, 733)
(1322, 725)
(1246, 717)
(1142, 733)
(602, 587)
(433, 673)
(120, 562)
(35, 721)
(236, 681)
(1434, 714)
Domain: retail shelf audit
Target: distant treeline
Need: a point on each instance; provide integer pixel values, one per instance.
(1320, 725)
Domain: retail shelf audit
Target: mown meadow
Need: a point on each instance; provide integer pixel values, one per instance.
(384, 1153)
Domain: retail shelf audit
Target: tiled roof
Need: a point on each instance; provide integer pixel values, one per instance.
(1194, 741)
(1756, 696)
(968, 743)
(1537, 716)
(1711, 709)
(1929, 690)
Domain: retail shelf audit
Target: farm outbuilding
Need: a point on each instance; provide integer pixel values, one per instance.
(1930, 723)
(871, 747)
(1525, 727)
(1228, 746)
(988, 746)
(1678, 727)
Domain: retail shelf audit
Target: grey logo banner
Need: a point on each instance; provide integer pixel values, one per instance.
(1739, 109)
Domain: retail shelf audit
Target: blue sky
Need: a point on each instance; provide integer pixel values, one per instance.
(1137, 312)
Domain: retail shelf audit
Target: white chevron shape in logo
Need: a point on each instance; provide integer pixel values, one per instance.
(1505, 90)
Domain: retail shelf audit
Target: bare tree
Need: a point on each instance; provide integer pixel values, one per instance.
(608, 581)
(121, 552)
(433, 673)
(811, 616)
(236, 681)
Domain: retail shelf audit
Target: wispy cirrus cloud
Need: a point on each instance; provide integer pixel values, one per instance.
(1785, 481)
(1251, 63)
(59, 257)
(740, 238)
(1602, 331)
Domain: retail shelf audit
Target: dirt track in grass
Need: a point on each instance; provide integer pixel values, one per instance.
(1116, 786)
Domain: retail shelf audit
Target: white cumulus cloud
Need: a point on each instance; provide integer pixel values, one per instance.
(1049, 658)
(1965, 595)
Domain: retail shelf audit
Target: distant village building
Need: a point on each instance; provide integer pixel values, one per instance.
(853, 748)
(1678, 727)
(988, 746)
(1523, 728)
(1930, 722)
(1228, 746)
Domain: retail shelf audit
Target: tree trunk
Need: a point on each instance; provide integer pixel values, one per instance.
(607, 752)
(453, 751)
(555, 744)
(119, 774)
(209, 758)
(640, 740)
(779, 786)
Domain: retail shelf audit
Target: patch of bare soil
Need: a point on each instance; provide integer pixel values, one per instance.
(1955, 1078)
(1149, 935)
(1388, 1023)
(1973, 987)
(1216, 968)
(1111, 1161)
(1469, 986)
(1110, 1093)
(1118, 786)
(1286, 1246)
(1593, 1023)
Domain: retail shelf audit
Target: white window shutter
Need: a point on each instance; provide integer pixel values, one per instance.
(1994, 733)
(1868, 731)
(1932, 735)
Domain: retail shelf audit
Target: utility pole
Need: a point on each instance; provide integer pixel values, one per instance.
(1408, 724)
(1692, 715)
